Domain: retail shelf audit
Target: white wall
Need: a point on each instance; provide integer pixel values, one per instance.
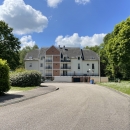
(74, 66)
(62, 79)
(35, 65)
(87, 67)
(42, 69)
(83, 66)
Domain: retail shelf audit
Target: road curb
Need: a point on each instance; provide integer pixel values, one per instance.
(27, 98)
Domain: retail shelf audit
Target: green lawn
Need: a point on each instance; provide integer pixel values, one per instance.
(22, 88)
(123, 86)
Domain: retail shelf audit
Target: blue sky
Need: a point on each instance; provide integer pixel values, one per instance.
(76, 23)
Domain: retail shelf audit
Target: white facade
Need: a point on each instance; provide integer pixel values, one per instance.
(57, 63)
(85, 67)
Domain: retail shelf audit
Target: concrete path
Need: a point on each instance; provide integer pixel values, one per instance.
(75, 106)
(17, 96)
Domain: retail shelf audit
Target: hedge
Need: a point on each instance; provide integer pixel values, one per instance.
(26, 78)
(4, 76)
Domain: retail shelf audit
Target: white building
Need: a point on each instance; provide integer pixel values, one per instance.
(64, 63)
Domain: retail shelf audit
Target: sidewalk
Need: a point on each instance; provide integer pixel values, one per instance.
(15, 97)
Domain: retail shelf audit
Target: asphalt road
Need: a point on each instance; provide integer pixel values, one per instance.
(75, 106)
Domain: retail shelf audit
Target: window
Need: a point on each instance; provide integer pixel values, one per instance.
(87, 64)
(78, 66)
(92, 66)
(41, 65)
(30, 65)
(78, 58)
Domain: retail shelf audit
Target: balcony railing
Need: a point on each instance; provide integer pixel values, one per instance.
(72, 74)
(68, 67)
(65, 60)
(47, 60)
(48, 74)
(48, 67)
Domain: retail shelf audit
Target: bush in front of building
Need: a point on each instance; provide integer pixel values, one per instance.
(4, 76)
(26, 78)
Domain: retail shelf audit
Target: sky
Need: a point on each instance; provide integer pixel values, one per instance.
(73, 23)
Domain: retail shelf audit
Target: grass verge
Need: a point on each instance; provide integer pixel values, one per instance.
(124, 86)
(22, 88)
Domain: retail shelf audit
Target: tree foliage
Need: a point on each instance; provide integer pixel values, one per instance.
(4, 76)
(115, 51)
(117, 45)
(9, 45)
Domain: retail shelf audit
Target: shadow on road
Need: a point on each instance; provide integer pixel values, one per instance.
(6, 97)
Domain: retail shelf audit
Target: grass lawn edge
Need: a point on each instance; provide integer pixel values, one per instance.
(114, 89)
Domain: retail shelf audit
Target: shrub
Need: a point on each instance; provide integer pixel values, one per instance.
(4, 76)
(26, 78)
(20, 70)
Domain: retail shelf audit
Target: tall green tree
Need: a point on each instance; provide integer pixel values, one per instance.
(23, 53)
(117, 50)
(9, 45)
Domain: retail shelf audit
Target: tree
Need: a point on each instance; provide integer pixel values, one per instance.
(95, 48)
(23, 53)
(9, 45)
(117, 50)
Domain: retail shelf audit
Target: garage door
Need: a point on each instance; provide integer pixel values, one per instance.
(76, 80)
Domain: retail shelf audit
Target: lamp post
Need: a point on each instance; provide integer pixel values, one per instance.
(99, 69)
(89, 71)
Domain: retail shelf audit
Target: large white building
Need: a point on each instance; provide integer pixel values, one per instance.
(64, 63)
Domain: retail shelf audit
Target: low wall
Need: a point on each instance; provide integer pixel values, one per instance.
(62, 79)
(96, 79)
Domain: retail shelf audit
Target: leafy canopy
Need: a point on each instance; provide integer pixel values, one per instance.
(9, 45)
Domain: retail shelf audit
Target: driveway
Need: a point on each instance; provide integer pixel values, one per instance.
(75, 106)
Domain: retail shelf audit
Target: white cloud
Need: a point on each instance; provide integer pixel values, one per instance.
(27, 41)
(76, 41)
(21, 17)
(53, 3)
(82, 1)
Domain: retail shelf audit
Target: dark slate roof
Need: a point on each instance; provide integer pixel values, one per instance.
(71, 52)
(34, 54)
(89, 55)
(43, 51)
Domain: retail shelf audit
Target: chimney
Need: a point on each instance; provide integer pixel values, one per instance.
(59, 46)
(63, 48)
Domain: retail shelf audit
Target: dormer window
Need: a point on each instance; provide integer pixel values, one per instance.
(30, 57)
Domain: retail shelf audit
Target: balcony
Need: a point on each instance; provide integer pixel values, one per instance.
(65, 60)
(48, 60)
(79, 74)
(48, 74)
(48, 67)
(68, 67)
